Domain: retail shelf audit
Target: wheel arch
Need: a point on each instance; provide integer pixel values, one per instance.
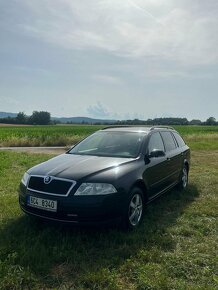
(140, 184)
(186, 163)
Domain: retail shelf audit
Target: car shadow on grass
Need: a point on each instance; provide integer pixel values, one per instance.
(54, 254)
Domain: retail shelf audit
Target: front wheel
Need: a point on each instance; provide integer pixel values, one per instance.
(183, 183)
(135, 209)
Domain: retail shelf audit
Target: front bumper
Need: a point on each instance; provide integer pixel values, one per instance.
(78, 209)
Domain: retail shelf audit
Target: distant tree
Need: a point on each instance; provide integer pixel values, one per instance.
(55, 122)
(40, 118)
(211, 121)
(21, 118)
(195, 122)
(8, 120)
(167, 121)
(149, 122)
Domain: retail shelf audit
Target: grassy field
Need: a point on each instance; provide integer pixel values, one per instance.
(174, 248)
(65, 135)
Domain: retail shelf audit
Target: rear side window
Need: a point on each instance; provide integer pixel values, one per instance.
(168, 141)
(155, 142)
(179, 139)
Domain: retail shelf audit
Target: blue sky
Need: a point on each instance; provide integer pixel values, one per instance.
(110, 58)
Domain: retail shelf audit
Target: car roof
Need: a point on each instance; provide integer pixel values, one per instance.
(143, 129)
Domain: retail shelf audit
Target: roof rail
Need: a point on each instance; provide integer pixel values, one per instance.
(164, 127)
(145, 126)
(116, 126)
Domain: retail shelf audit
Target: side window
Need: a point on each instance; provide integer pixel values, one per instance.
(155, 142)
(179, 139)
(168, 141)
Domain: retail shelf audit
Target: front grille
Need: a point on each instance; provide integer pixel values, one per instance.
(57, 186)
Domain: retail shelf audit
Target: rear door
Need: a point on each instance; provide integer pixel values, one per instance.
(173, 154)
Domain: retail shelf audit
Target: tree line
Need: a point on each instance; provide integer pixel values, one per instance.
(37, 118)
(44, 118)
(168, 121)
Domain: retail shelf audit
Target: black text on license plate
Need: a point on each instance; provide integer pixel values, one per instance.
(42, 203)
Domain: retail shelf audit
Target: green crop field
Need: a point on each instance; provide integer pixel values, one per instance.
(174, 248)
(65, 135)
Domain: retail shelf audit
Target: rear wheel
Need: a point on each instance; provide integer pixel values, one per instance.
(135, 209)
(183, 183)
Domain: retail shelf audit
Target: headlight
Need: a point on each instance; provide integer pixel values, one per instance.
(25, 178)
(95, 189)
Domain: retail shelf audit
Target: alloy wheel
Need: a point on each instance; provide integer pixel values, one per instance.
(184, 177)
(135, 209)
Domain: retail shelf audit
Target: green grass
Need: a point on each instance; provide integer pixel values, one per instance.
(198, 137)
(174, 248)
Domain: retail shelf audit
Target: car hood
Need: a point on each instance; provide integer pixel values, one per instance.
(71, 166)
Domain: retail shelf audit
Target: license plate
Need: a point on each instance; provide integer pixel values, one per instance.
(42, 203)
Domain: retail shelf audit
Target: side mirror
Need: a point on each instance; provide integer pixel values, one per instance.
(156, 153)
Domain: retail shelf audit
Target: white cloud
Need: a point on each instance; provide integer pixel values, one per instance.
(171, 30)
(98, 111)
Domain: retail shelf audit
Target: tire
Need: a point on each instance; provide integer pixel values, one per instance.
(134, 210)
(183, 183)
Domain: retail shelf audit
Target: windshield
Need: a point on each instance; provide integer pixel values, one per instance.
(111, 144)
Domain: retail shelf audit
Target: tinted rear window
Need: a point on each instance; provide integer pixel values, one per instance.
(179, 139)
(168, 141)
